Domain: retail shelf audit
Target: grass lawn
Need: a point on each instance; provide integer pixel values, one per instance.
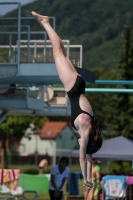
(33, 169)
(43, 196)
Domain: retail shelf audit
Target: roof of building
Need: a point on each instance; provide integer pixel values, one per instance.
(51, 130)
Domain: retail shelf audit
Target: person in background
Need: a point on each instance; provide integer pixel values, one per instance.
(93, 193)
(43, 166)
(59, 174)
(98, 189)
(97, 165)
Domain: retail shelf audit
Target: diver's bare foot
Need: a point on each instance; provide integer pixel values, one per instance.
(40, 18)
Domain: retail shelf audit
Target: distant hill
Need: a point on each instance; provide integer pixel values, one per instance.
(96, 24)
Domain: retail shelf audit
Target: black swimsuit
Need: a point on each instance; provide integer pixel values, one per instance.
(74, 95)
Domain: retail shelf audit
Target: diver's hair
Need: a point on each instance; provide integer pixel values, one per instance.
(96, 130)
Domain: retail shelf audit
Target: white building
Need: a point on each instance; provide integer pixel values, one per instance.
(35, 143)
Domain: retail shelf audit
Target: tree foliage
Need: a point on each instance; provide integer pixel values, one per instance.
(12, 129)
(15, 126)
(121, 167)
(120, 105)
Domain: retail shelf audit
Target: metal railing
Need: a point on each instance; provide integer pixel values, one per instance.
(40, 51)
(18, 26)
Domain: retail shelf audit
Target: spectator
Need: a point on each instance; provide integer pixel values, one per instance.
(93, 193)
(59, 174)
(43, 166)
(97, 165)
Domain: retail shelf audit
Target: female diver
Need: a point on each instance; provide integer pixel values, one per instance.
(82, 118)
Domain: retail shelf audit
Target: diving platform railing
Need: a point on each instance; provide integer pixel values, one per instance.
(27, 69)
(40, 51)
(36, 69)
(16, 93)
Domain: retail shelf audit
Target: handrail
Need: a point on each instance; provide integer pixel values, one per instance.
(28, 28)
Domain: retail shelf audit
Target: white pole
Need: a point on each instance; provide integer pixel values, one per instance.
(54, 152)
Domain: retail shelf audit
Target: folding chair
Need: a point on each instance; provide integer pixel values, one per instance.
(34, 193)
(9, 184)
(129, 183)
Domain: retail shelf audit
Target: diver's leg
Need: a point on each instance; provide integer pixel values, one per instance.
(67, 73)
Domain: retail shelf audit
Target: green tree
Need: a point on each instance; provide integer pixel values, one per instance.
(13, 128)
(121, 167)
(116, 109)
(4, 55)
(99, 101)
(120, 107)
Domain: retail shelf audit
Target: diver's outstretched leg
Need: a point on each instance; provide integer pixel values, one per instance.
(66, 71)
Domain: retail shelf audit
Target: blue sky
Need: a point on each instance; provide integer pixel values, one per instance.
(4, 8)
(22, 1)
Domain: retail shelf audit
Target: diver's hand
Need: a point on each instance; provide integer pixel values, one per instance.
(89, 185)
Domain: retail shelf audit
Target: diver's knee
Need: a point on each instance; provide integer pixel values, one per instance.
(57, 52)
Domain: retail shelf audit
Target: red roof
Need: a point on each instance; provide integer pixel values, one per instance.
(51, 130)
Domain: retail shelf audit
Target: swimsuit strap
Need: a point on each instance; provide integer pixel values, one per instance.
(92, 117)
